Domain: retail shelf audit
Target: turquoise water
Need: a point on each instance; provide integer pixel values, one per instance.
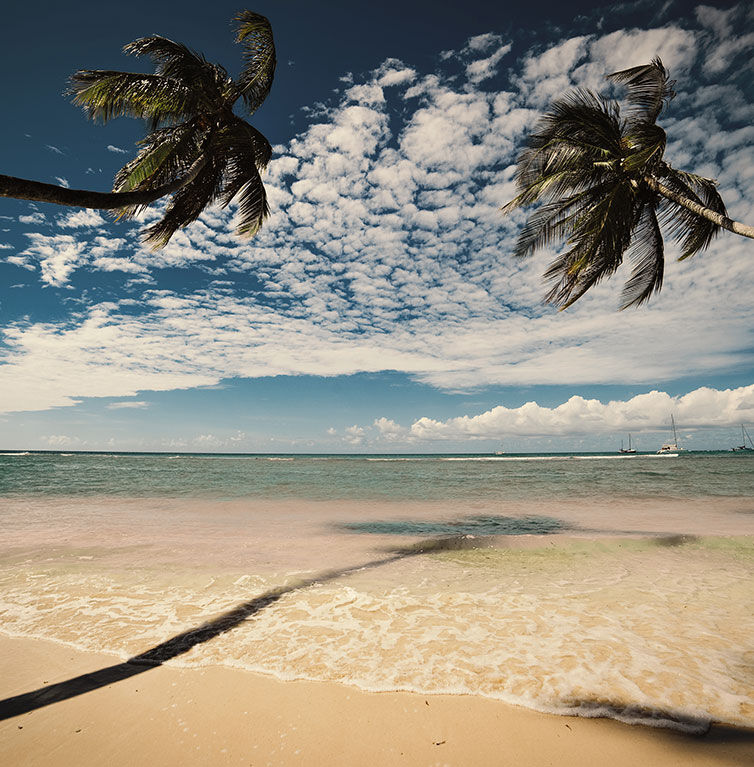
(376, 477)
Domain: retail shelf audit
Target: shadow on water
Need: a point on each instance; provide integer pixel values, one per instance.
(483, 525)
(182, 643)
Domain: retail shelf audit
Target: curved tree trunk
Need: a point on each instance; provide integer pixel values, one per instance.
(23, 189)
(700, 210)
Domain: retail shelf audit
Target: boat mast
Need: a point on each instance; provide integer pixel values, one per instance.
(675, 436)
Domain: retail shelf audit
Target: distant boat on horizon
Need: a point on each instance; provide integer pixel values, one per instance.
(629, 449)
(743, 446)
(671, 447)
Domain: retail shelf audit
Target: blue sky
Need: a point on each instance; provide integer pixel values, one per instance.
(379, 309)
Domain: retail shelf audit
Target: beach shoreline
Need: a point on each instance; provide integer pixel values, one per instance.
(217, 715)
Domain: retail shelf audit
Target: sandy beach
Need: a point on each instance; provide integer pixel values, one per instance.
(229, 717)
(473, 631)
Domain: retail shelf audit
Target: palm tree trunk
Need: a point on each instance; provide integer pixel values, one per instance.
(23, 189)
(700, 210)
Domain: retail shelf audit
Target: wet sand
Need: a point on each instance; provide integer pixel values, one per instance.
(221, 716)
(129, 574)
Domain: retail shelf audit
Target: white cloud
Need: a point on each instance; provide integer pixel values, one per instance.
(135, 404)
(117, 150)
(394, 72)
(482, 69)
(62, 181)
(676, 47)
(482, 42)
(32, 218)
(81, 218)
(354, 435)
(58, 255)
(60, 440)
(390, 430)
(700, 408)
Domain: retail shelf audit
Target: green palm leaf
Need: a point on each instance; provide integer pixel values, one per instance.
(105, 95)
(166, 155)
(255, 35)
(647, 253)
(600, 233)
(187, 204)
(692, 232)
(648, 89)
(178, 62)
(246, 151)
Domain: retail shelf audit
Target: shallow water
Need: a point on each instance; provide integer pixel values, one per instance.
(623, 606)
(415, 478)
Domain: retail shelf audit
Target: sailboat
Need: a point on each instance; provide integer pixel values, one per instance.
(629, 449)
(743, 446)
(671, 447)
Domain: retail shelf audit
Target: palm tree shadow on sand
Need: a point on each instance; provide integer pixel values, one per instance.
(182, 643)
(470, 533)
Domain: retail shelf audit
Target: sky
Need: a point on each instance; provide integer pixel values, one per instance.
(379, 309)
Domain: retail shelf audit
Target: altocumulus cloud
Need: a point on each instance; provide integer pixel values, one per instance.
(386, 249)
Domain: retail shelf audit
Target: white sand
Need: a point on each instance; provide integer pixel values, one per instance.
(218, 716)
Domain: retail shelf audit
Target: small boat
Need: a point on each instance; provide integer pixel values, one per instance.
(628, 449)
(671, 447)
(743, 446)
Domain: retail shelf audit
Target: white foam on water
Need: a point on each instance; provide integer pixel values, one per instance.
(650, 634)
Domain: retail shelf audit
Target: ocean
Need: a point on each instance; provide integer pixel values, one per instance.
(585, 584)
(371, 477)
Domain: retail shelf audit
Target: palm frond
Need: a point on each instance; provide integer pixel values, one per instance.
(107, 94)
(647, 253)
(573, 146)
(648, 89)
(246, 152)
(254, 33)
(582, 118)
(552, 222)
(178, 62)
(645, 146)
(601, 234)
(166, 155)
(252, 205)
(187, 204)
(694, 233)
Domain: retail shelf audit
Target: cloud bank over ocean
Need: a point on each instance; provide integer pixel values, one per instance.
(703, 407)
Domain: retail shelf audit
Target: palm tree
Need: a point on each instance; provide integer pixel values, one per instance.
(196, 148)
(605, 188)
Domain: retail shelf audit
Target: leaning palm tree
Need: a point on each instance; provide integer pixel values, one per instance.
(605, 189)
(196, 148)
